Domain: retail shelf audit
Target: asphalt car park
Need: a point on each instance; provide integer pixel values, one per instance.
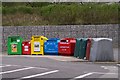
(28, 67)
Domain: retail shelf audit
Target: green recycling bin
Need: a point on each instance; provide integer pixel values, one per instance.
(83, 44)
(80, 48)
(77, 45)
(14, 45)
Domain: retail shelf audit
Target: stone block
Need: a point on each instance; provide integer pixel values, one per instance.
(74, 34)
(64, 28)
(35, 30)
(51, 28)
(28, 30)
(41, 28)
(52, 35)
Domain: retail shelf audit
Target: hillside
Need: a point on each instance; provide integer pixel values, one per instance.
(25, 14)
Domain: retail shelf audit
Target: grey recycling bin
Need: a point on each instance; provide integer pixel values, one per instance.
(101, 50)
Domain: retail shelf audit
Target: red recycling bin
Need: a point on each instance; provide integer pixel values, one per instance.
(66, 46)
(88, 48)
(26, 48)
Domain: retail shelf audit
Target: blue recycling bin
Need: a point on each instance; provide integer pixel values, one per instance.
(51, 46)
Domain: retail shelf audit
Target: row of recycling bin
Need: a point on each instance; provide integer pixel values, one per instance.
(83, 48)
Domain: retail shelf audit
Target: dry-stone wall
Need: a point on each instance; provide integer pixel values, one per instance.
(76, 31)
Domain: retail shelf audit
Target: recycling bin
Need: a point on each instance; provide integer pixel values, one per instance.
(77, 46)
(80, 48)
(66, 46)
(51, 46)
(26, 48)
(37, 45)
(88, 48)
(101, 50)
(14, 45)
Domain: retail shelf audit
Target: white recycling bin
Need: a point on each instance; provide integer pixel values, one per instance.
(101, 50)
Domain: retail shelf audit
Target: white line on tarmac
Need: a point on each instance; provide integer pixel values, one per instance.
(84, 75)
(88, 74)
(118, 64)
(5, 66)
(29, 66)
(15, 70)
(103, 73)
(41, 74)
(109, 67)
(104, 67)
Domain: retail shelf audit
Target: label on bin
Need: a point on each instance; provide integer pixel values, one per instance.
(64, 46)
(36, 46)
(14, 47)
(63, 43)
(26, 49)
(18, 40)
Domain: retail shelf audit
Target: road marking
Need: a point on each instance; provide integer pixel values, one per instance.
(87, 74)
(104, 67)
(15, 70)
(109, 67)
(41, 74)
(27, 66)
(5, 66)
(84, 75)
(103, 73)
(118, 64)
(31, 66)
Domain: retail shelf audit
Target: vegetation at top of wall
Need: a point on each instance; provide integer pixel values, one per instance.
(44, 13)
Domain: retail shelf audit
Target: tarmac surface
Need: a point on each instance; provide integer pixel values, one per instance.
(32, 67)
(18, 67)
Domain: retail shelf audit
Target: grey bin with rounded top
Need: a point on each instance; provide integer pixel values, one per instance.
(101, 50)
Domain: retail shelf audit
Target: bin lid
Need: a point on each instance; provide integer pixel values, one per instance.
(44, 37)
(13, 36)
(99, 39)
(13, 43)
(36, 36)
(53, 39)
(26, 41)
(83, 39)
(67, 39)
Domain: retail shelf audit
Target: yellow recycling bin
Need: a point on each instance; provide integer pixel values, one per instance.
(37, 45)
